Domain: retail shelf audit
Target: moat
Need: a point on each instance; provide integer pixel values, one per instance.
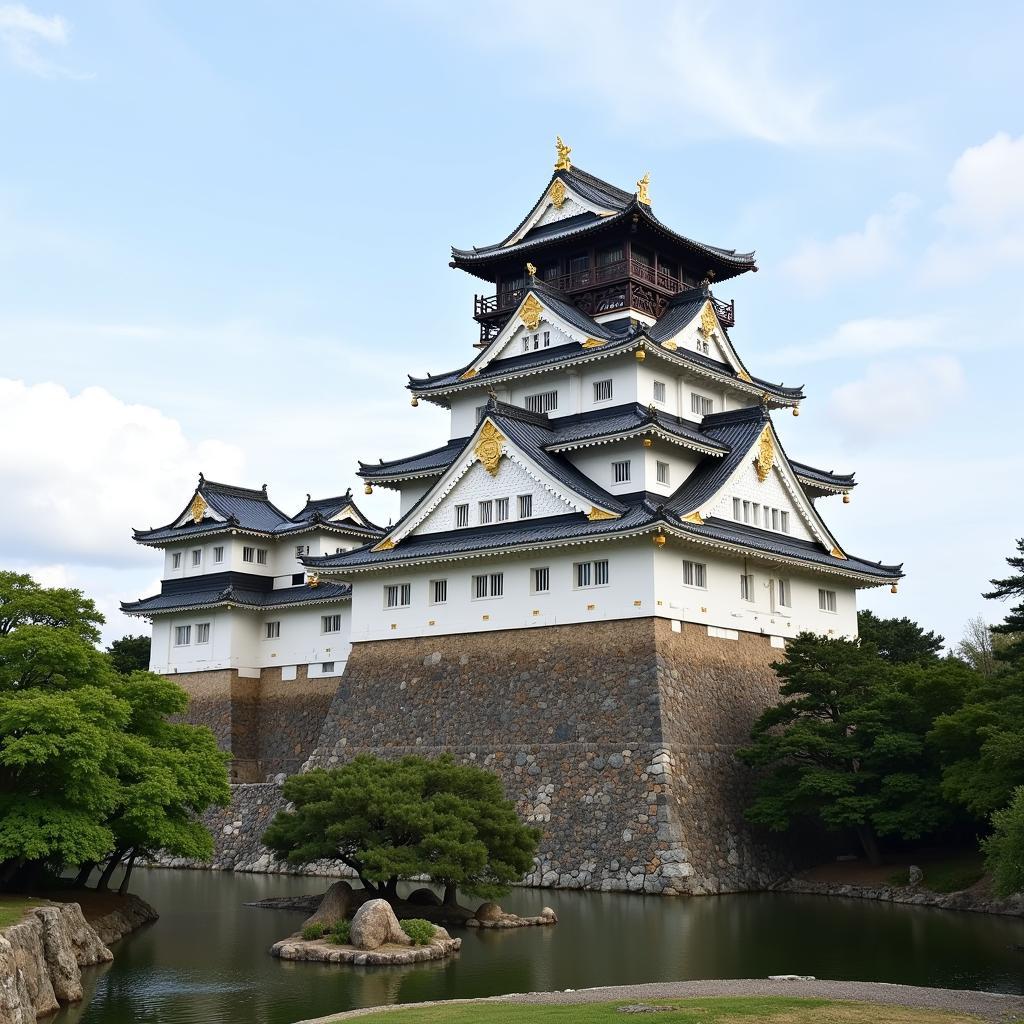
(206, 959)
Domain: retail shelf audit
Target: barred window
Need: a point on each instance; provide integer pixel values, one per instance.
(486, 509)
(272, 631)
(202, 632)
(592, 574)
(330, 623)
(700, 405)
(488, 585)
(746, 587)
(620, 472)
(176, 560)
(783, 593)
(544, 401)
(541, 580)
(462, 515)
(197, 556)
(248, 554)
(398, 595)
(695, 574)
(261, 556)
(438, 591)
(602, 390)
(500, 510)
(525, 506)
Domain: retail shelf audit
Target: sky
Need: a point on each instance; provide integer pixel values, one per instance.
(225, 231)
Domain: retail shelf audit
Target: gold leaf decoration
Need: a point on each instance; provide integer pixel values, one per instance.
(695, 518)
(198, 508)
(562, 161)
(593, 343)
(642, 186)
(557, 193)
(670, 345)
(836, 553)
(530, 311)
(469, 373)
(312, 580)
(385, 545)
(743, 375)
(765, 455)
(531, 270)
(597, 514)
(488, 447)
(708, 320)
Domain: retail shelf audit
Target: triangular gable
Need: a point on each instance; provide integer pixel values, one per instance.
(765, 476)
(488, 462)
(559, 202)
(533, 316)
(704, 334)
(348, 512)
(197, 510)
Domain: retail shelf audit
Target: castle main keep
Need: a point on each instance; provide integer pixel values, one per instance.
(587, 582)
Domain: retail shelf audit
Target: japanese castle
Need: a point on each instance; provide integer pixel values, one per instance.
(610, 457)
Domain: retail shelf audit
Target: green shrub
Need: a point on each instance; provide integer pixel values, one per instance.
(1004, 849)
(313, 931)
(340, 933)
(420, 931)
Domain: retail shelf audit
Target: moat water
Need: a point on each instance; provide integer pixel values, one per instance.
(206, 962)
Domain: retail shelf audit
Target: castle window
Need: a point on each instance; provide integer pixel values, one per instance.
(783, 593)
(602, 390)
(695, 574)
(261, 556)
(398, 595)
(330, 623)
(248, 554)
(659, 391)
(438, 591)
(218, 553)
(486, 512)
(480, 410)
(462, 515)
(784, 522)
(755, 513)
(298, 578)
(272, 630)
(301, 549)
(500, 509)
(526, 344)
(620, 472)
(591, 574)
(541, 580)
(544, 401)
(327, 667)
(827, 600)
(700, 405)
(746, 587)
(202, 632)
(737, 509)
(547, 339)
(197, 557)
(182, 636)
(662, 472)
(488, 585)
(175, 559)
(525, 506)
(775, 519)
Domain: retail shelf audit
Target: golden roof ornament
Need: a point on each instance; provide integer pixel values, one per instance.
(198, 508)
(765, 454)
(531, 270)
(708, 320)
(530, 311)
(488, 447)
(641, 189)
(562, 162)
(557, 193)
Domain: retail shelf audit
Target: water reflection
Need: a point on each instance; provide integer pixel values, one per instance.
(206, 959)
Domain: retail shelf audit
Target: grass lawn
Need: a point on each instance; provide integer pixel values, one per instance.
(13, 907)
(725, 1010)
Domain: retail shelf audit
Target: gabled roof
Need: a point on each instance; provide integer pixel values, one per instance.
(237, 597)
(337, 513)
(623, 211)
(821, 482)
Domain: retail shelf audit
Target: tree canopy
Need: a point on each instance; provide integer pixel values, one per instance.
(1012, 626)
(90, 768)
(130, 654)
(898, 641)
(846, 747)
(413, 816)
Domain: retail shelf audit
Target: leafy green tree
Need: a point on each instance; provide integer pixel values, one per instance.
(130, 654)
(899, 641)
(395, 819)
(846, 745)
(86, 757)
(1012, 626)
(1004, 848)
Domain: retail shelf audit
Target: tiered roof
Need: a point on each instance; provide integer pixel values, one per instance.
(219, 590)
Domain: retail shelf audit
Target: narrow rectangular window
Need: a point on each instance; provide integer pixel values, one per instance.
(327, 667)
(272, 631)
(486, 509)
(659, 391)
(700, 405)
(202, 632)
(500, 510)
(398, 595)
(592, 574)
(462, 515)
(248, 554)
(695, 574)
(784, 521)
(182, 636)
(541, 580)
(298, 578)
(620, 472)
(737, 508)
(602, 390)
(218, 553)
(746, 587)
(544, 401)
(438, 591)
(197, 556)
(547, 339)
(525, 506)
(775, 518)
(497, 584)
(526, 344)
(827, 600)
(330, 623)
(176, 560)
(662, 472)
(406, 595)
(755, 514)
(261, 556)
(601, 573)
(783, 593)
(479, 587)
(583, 574)
(746, 511)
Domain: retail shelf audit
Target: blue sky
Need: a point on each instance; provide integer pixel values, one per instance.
(224, 236)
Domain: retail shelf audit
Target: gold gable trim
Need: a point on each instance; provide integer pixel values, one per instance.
(488, 447)
(385, 545)
(695, 518)
(469, 374)
(593, 343)
(530, 311)
(557, 193)
(765, 458)
(198, 508)
(743, 375)
(597, 514)
(708, 320)
(836, 553)
(670, 345)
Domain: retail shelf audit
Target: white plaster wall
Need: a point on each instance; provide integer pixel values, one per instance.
(411, 492)
(771, 492)
(596, 463)
(232, 544)
(166, 658)
(514, 345)
(630, 581)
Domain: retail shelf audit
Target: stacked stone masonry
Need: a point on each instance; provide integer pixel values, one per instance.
(616, 738)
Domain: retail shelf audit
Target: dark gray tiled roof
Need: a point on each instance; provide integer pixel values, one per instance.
(624, 419)
(239, 597)
(682, 308)
(437, 460)
(841, 481)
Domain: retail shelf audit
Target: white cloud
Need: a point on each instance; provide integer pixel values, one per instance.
(80, 470)
(23, 33)
(984, 219)
(862, 253)
(896, 397)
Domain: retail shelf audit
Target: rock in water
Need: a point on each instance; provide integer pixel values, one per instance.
(375, 925)
(334, 907)
(488, 912)
(548, 912)
(915, 875)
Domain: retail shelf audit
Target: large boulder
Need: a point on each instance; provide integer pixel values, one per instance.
(334, 907)
(375, 925)
(489, 912)
(424, 898)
